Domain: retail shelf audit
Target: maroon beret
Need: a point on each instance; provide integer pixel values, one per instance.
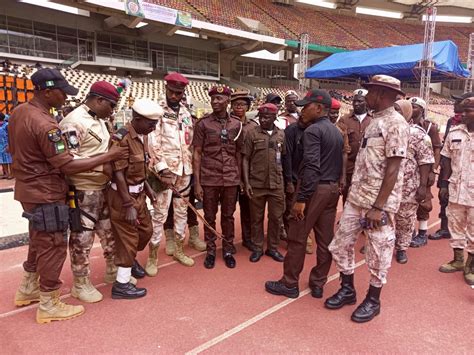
(105, 90)
(220, 90)
(270, 108)
(176, 81)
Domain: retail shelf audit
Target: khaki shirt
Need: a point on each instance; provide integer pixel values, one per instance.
(135, 166)
(420, 152)
(94, 138)
(385, 137)
(459, 147)
(39, 150)
(265, 157)
(171, 142)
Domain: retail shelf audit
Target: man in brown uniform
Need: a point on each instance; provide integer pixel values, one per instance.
(40, 160)
(356, 124)
(291, 114)
(129, 215)
(263, 177)
(240, 103)
(217, 142)
(316, 198)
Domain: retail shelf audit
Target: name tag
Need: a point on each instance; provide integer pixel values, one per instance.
(456, 140)
(171, 116)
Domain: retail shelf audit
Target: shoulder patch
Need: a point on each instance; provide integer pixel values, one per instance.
(54, 135)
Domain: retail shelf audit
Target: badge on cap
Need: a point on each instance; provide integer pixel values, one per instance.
(220, 89)
(49, 83)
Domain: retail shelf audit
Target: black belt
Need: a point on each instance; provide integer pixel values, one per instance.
(326, 182)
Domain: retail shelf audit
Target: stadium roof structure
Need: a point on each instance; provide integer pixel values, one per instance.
(402, 62)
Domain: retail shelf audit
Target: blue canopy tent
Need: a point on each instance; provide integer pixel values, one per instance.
(402, 62)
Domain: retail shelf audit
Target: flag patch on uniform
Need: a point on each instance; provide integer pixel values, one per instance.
(54, 135)
(59, 147)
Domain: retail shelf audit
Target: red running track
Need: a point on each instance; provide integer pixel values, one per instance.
(227, 311)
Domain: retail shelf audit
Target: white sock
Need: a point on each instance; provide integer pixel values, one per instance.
(124, 274)
(423, 225)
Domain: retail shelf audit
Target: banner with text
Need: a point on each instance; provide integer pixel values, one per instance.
(150, 11)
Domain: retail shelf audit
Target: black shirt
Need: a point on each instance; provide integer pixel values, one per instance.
(322, 157)
(294, 152)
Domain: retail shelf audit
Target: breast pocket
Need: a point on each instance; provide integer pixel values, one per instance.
(136, 165)
(169, 127)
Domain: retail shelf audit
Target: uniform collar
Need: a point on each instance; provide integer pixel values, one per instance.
(36, 103)
(132, 131)
(214, 117)
(388, 111)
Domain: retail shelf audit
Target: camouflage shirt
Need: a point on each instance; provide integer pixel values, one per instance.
(459, 147)
(171, 142)
(385, 137)
(420, 152)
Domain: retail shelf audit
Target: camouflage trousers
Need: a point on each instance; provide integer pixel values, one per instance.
(180, 208)
(379, 245)
(80, 244)
(461, 226)
(405, 221)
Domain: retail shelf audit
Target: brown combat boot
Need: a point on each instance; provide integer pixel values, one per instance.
(170, 244)
(28, 292)
(51, 308)
(85, 291)
(194, 241)
(179, 253)
(457, 264)
(469, 270)
(110, 271)
(151, 267)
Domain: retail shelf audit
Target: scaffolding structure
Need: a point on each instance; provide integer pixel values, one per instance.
(303, 65)
(427, 63)
(470, 64)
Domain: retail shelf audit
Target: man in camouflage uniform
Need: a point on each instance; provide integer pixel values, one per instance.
(87, 122)
(373, 199)
(416, 170)
(457, 184)
(171, 153)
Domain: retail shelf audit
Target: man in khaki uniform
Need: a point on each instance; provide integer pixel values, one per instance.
(87, 122)
(171, 153)
(457, 184)
(263, 177)
(374, 197)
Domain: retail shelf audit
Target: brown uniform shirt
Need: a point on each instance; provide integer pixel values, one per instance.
(264, 152)
(135, 166)
(219, 165)
(343, 129)
(39, 151)
(355, 133)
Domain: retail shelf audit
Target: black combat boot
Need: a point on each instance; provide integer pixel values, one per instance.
(345, 295)
(127, 291)
(369, 308)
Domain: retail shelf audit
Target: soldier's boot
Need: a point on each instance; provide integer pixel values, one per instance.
(369, 308)
(345, 295)
(309, 245)
(179, 253)
(51, 308)
(194, 241)
(151, 267)
(170, 244)
(29, 291)
(457, 264)
(110, 271)
(469, 270)
(85, 291)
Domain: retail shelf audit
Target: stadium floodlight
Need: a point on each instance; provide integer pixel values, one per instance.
(321, 3)
(454, 19)
(59, 7)
(377, 12)
(141, 24)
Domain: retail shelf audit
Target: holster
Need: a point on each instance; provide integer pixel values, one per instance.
(50, 217)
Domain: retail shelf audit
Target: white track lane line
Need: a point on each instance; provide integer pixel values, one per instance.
(264, 314)
(33, 306)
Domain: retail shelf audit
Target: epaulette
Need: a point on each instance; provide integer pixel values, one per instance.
(120, 134)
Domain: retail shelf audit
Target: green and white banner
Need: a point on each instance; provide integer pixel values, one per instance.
(151, 11)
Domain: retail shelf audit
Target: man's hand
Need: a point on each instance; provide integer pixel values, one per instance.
(342, 185)
(297, 212)
(117, 153)
(290, 188)
(248, 191)
(443, 195)
(166, 177)
(131, 216)
(374, 218)
(198, 192)
(431, 178)
(420, 195)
